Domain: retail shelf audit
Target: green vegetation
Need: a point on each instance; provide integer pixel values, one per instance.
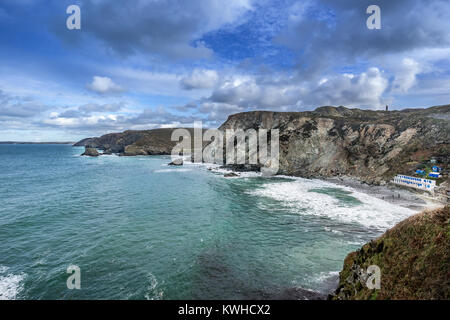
(414, 258)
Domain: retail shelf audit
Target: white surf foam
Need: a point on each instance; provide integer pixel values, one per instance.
(326, 275)
(10, 284)
(201, 164)
(172, 170)
(152, 290)
(244, 174)
(296, 195)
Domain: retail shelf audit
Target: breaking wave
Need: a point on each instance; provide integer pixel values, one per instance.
(10, 284)
(320, 198)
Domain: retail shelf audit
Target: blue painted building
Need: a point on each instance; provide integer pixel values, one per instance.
(434, 174)
(436, 169)
(414, 182)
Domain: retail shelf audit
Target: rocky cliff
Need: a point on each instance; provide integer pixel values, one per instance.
(370, 145)
(134, 142)
(413, 257)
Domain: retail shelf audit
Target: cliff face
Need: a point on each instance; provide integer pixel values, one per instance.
(370, 145)
(113, 142)
(134, 142)
(413, 257)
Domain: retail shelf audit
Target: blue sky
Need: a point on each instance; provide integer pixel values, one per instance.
(143, 64)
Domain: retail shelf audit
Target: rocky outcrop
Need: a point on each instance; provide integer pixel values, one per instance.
(91, 152)
(413, 257)
(112, 142)
(134, 142)
(176, 162)
(230, 175)
(370, 145)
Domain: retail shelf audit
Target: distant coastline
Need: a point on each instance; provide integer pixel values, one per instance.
(24, 142)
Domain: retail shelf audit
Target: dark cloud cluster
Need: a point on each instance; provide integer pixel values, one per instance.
(19, 107)
(331, 33)
(168, 29)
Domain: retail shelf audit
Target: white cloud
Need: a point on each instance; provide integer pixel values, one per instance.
(143, 81)
(405, 75)
(362, 90)
(104, 85)
(251, 92)
(240, 93)
(200, 79)
(217, 111)
(94, 107)
(94, 123)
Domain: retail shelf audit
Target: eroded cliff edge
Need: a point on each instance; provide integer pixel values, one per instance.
(413, 257)
(372, 146)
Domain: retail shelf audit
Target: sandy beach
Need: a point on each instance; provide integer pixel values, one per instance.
(414, 200)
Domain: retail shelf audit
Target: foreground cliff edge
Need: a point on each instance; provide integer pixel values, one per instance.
(414, 259)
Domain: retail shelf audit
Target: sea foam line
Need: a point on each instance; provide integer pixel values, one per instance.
(10, 284)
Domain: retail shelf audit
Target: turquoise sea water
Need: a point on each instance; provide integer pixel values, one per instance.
(139, 229)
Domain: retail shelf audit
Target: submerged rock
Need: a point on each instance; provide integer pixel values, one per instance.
(176, 162)
(91, 152)
(230, 175)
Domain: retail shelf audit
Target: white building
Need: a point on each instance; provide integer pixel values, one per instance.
(414, 182)
(434, 174)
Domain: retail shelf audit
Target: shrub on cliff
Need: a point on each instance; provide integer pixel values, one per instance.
(414, 258)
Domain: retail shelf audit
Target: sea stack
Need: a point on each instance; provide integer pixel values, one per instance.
(91, 152)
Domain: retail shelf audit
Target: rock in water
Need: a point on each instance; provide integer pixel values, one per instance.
(230, 175)
(91, 152)
(176, 162)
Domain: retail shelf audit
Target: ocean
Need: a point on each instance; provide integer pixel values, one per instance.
(139, 229)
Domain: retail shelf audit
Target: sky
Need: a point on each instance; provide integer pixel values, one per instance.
(143, 64)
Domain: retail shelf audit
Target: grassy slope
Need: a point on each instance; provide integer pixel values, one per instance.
(414, 258)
